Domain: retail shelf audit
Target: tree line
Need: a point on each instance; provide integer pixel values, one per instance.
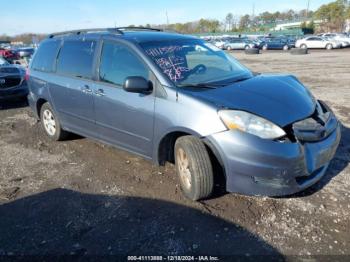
(332, 15)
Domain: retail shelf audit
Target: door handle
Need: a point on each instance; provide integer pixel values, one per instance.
(86, 89)
(100, 92)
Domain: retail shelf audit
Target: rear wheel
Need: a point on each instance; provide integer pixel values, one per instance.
(229, 48)
(264, 47)
(246, 47)
(286, 48)
(303, 46)
(194, 168)
(50, 123)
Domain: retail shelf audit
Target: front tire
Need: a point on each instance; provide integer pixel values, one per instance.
(303, 46)
(51, 124)
(286, 48)
(329, 46)
(194, 168)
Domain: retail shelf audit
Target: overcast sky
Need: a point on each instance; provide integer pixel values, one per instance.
(45, 16)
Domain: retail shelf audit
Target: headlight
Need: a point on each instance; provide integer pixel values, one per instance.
(251, 124)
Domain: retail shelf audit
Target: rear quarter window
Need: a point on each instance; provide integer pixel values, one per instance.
(45, 56)
(76, 58)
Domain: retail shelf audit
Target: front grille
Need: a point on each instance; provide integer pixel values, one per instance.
(9, 81)
(317, 127)
(9, 70)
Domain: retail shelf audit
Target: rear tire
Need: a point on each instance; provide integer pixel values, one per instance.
(303, 46)
(51, 124)
(286, 48)
(329, 46)
(265, 47)
(229, 48)
(194, 168)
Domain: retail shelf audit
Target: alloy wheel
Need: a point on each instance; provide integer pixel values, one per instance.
(49, 122)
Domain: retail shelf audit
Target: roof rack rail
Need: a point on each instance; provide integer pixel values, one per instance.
(139, 28)
(84, 31)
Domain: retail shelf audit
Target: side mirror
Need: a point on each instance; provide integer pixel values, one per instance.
(137, 84)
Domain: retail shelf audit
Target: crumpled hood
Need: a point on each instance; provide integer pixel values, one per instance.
(280, 99)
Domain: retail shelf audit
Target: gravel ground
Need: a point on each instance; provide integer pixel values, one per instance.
(80, 197)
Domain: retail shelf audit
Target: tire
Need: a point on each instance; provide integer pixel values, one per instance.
(265, 47)
(193, 168)
(252, 51)
(285, 48)
(299, 51)
(303, 46)
(51, 124)
(329, 46)
(228, 48)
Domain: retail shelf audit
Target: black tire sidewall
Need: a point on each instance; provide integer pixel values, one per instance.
(195, 192)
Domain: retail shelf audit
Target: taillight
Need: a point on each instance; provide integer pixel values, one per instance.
(27, 75)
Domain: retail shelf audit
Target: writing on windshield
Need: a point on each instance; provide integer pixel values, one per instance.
(171, 60)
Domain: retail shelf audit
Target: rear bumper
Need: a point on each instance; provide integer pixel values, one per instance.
(255, 166)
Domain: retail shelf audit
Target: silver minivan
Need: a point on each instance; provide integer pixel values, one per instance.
(176, 98)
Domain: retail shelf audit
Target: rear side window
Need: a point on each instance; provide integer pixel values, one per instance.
(45, 57)
(118, 63)
(76, 58)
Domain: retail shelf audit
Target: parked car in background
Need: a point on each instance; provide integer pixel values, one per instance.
(317, 42)
(343, 39)
(173, 97)
(259, 42)
(239, 44)
(12, 81)
(25, 52)
(291, 41)
(9, 55)
(219, 43)
(276, 44)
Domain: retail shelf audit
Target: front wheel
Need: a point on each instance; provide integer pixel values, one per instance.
(303, 46)
(265, 47)
(50, 123)
(286, 48)
(229, 48)
(194, 168)
(329, 47)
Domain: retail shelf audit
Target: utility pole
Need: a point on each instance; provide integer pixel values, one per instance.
(308, 8)
(167, 18)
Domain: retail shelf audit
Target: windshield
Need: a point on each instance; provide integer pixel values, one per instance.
(194, 62)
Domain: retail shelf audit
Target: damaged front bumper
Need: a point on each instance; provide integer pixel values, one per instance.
(255, 166)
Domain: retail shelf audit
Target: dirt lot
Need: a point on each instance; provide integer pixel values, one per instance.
(81, 197)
